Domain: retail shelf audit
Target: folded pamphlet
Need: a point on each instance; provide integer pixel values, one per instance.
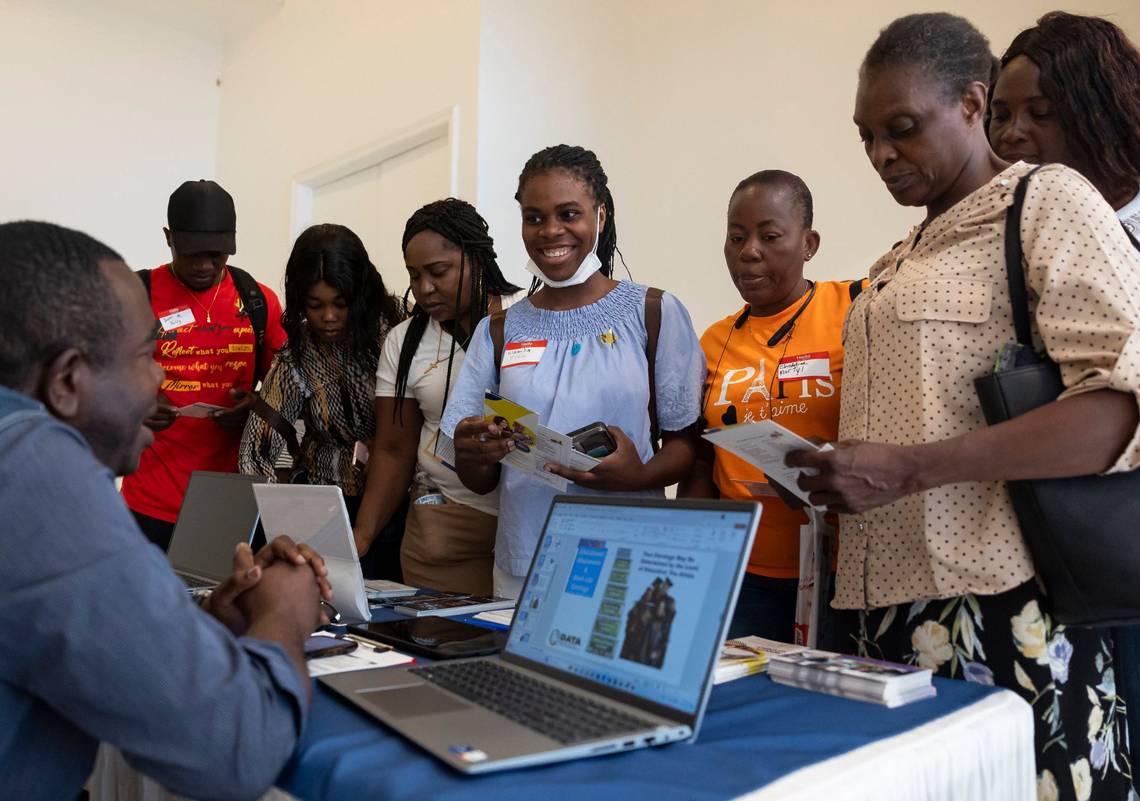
(766, 444)
(746, 656)
(535, 444)
(381, 589)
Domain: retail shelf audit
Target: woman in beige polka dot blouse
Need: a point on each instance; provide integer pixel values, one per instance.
(933, 568)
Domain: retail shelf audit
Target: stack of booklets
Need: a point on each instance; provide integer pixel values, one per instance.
(746, 656)
(447, 604)
(858, 678)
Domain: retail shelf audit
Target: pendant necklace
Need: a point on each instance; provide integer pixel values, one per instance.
(206, 309)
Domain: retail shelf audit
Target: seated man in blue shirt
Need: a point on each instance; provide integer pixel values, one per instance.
(102, 641)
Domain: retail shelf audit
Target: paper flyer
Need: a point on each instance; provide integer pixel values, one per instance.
(535, 444)
(766, 444)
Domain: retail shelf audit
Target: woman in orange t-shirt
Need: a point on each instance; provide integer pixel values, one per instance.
(780, 358)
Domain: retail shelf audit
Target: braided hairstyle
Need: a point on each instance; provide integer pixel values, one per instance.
(335, 255)
(948, 48)
(459, 223)
(1091, 73)
(584, 165)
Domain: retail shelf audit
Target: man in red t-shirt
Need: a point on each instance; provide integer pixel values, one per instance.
(207, 345)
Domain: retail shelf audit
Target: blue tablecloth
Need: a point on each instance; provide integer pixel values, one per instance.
(755, 732)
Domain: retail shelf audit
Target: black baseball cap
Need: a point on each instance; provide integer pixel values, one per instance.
(201, 219)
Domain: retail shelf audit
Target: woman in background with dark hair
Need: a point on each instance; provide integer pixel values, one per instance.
(1069, 92)
(337, 313)
(450, 536)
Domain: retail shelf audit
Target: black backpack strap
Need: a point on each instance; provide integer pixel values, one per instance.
(652, 335)
(497, 328)
(253, 301)
(855, 289)
(1014, 269)
(144, 276)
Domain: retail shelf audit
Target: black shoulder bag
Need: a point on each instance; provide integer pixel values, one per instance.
(1084, 532)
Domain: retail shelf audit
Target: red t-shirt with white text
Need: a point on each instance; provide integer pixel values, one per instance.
(203, 361)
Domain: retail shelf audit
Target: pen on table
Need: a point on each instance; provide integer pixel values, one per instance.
(330, 610)
(375, 646)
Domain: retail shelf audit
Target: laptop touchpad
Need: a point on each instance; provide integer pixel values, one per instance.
(409, 702)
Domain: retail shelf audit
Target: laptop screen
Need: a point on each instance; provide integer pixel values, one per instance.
(218, 511)
(632, 596)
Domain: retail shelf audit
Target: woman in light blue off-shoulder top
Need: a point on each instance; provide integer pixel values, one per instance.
(585, 361)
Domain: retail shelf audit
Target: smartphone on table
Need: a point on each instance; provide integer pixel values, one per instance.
(593, 440)
(318, 646)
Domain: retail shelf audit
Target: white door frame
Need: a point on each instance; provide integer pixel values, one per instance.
(444, 125)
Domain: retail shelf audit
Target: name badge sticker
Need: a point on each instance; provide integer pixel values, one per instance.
(516, 354)
(176, 318)
(806, 365)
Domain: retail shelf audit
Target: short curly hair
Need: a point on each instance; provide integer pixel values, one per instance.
(946, 47)
(53, 296)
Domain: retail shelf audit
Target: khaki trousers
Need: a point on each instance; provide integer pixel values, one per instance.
(448, 546)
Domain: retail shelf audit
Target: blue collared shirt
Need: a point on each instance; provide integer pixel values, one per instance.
(103, 643)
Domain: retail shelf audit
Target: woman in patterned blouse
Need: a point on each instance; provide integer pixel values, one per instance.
(337, 312)
(933, 568)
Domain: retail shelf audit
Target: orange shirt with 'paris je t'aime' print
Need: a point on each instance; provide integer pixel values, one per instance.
(795, 382)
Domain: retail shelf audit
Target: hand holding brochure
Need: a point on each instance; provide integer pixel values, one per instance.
(861, 679)
(766, 444)
(535, 444)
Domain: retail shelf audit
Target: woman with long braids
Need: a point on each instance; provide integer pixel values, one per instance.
(585, 361)
(337, 312)
(450, 535)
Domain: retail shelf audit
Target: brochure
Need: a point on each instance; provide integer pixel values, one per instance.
(447, 605)
(749, 655)
(766, 444)
(380, 589)
(200, 410)
(888, 683)
(535, 444)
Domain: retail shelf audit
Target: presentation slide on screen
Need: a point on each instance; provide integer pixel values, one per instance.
(633, 607)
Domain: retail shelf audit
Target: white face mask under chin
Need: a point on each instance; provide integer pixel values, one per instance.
(590, 265)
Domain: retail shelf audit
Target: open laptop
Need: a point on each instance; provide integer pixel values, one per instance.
(218, 511)
(316, 515)
(612, 647)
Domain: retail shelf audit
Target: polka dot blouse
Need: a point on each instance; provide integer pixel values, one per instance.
(933, 319)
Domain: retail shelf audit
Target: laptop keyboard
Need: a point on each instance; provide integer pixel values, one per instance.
(195, 583)
(540, 706)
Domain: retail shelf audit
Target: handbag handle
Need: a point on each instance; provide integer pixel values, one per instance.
(1015, 272)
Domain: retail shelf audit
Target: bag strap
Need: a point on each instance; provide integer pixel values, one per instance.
(144, 276)
(279, 424)
(652, 335)
(498, 326)
(855, 289)
(1014, 269)
(253, 301)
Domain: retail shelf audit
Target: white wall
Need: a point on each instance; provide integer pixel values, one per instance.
(681, 100)
(320, 80)
(104, 115)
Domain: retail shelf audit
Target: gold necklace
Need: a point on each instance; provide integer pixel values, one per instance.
(189, 294)
(438, 348)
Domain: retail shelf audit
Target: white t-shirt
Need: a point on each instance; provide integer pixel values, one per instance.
(427, 378)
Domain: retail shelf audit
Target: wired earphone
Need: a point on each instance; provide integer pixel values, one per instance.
(781, 333)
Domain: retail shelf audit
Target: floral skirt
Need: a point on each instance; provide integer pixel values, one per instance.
(1066, 674)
